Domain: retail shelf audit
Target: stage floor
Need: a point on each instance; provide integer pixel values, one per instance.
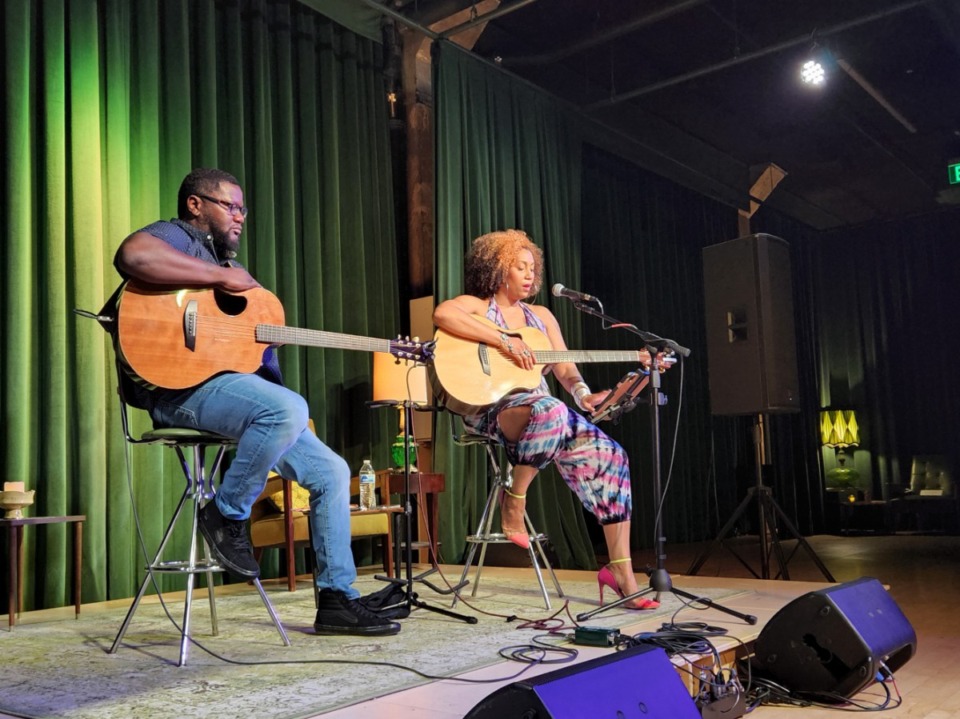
(923, 573)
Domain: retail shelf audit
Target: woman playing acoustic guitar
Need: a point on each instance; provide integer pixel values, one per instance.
(502, 270)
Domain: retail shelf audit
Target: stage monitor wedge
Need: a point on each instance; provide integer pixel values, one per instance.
(636, 682)
(751, 342)
(833, 640)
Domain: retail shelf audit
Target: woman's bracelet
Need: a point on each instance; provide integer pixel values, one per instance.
(579, 391)
(505, 342)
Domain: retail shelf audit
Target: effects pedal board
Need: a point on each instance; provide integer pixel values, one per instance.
(596, 636)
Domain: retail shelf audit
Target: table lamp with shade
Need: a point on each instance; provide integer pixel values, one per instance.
(403, 384)
(839, 429)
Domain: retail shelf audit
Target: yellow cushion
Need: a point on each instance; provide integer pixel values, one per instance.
(366, 525)
(268, 532)
(299, 497)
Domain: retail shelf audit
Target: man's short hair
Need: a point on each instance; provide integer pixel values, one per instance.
(202, 181)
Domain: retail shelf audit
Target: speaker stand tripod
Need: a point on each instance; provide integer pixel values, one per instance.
(410, 598)
(768, 514)
(660, 581)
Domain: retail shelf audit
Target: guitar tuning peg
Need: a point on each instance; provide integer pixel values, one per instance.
(416, 340)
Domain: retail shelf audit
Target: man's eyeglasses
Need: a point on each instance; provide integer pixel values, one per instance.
(230, 207)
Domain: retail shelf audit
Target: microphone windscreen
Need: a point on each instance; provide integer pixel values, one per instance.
(557, 290)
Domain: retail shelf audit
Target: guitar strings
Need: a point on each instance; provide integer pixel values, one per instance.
(242, 329)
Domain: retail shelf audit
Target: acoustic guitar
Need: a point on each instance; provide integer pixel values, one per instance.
(469, 376)
(178, 338)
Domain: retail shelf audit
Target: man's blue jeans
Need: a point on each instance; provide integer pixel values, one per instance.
(270, 424)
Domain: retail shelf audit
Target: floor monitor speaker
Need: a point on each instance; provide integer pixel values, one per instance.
(832, 641)
(640, 681)
(751, 344)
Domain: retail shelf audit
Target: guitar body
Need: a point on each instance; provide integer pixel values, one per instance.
(469, 376)
(178, 338)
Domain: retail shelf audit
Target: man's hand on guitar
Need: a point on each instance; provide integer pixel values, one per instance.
(237, 279)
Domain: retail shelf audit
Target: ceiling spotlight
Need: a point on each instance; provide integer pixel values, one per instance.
(812, 73)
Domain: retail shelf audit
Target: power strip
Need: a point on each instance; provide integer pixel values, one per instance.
(731, 706)
(721, 697)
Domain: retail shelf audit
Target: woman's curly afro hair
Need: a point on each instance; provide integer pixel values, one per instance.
(491, 257)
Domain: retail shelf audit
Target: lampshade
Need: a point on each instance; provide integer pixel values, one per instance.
(839, 428)
(398, 381)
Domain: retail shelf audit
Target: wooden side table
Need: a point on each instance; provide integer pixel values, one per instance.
(390, 481)
(431, 484)
(15, 558)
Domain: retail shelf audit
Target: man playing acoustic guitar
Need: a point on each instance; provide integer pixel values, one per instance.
(197, 250)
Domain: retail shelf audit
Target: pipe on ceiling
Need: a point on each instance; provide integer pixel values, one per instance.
(605, 36)
(734, 61)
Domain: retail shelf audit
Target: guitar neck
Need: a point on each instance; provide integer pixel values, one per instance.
(582, 356)
(275, 334)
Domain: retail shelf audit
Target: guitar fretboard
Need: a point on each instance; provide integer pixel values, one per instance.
(555, 356)
(274, 334)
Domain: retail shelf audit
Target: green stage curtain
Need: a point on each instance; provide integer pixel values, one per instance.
(645, 235)
(508, 156)
(108, 104)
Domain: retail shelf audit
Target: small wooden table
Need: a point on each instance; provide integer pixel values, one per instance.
(15, 558)
(431, 484)
(390, 481)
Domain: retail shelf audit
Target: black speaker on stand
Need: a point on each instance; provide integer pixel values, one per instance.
(751, 341)
(833, 642)
(751, 353)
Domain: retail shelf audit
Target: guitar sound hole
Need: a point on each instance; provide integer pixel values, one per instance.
(230, 304)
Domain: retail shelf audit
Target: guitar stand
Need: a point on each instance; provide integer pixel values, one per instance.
(410, 599)
(660, 581)
(767, 529)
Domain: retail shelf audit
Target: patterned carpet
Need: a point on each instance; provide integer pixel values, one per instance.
(62, 669)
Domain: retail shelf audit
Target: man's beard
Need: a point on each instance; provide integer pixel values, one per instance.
(225, 246)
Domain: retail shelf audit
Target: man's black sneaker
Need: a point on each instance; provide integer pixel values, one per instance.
(228, 540)
(337, 614)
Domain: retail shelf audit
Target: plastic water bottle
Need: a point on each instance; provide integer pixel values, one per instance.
(368, 486)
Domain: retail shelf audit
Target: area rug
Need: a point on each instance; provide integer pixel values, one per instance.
(62, 668)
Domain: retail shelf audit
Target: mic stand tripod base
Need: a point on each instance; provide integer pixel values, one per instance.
(410, 598)
(421, 578)
(661, 583)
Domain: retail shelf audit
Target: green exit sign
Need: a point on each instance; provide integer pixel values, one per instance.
(953, 171)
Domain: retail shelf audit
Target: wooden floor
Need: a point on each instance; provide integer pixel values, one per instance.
(923, 573)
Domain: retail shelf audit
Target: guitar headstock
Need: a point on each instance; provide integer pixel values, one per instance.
(412, 349)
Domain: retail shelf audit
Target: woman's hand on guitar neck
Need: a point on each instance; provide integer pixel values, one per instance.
(665, 360)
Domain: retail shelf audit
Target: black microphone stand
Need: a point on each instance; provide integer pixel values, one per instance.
(660, 581)
(411, 599)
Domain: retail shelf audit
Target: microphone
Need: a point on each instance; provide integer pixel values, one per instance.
(561, 291)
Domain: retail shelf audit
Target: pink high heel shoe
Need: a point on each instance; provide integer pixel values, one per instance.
(605, 578)
(516, 536)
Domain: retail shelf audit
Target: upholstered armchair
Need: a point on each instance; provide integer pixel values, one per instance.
(932, 495)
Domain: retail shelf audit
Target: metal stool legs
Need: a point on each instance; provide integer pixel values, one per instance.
(485, 536)
(198, 490)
